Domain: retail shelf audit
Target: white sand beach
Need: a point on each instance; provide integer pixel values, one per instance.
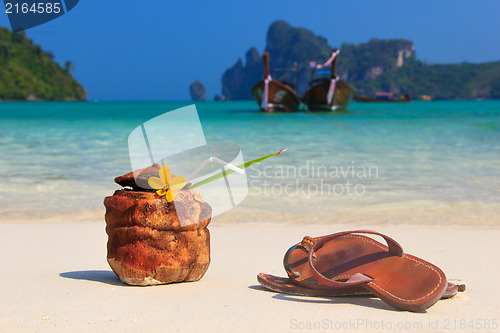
(54, 278)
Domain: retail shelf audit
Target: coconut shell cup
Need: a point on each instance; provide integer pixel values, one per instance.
(152, 241)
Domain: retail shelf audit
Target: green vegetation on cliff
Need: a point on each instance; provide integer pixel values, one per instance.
(378, 65)
(391, 65)
(28, 72)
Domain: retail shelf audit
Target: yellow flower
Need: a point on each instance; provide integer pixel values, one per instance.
(165, 184)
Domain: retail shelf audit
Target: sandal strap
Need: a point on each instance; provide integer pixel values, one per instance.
(394, 249)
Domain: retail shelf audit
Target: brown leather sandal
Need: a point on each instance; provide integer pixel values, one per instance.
(287, 286)
(346, 264)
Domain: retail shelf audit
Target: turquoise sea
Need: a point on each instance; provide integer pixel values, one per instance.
(432, 162)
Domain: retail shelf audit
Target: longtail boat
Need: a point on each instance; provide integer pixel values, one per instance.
(273, 95)
(328, 94)
(383, 97)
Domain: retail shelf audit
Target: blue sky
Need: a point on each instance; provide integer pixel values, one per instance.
(153, 49)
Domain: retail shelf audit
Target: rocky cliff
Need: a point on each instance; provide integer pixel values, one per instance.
(238, 80)
(378, 65)
(197, 91)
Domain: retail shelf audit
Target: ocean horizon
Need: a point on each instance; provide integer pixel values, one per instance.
(400, 163)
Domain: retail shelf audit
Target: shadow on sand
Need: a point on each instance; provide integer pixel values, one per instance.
(102, 276)
(362, 300)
